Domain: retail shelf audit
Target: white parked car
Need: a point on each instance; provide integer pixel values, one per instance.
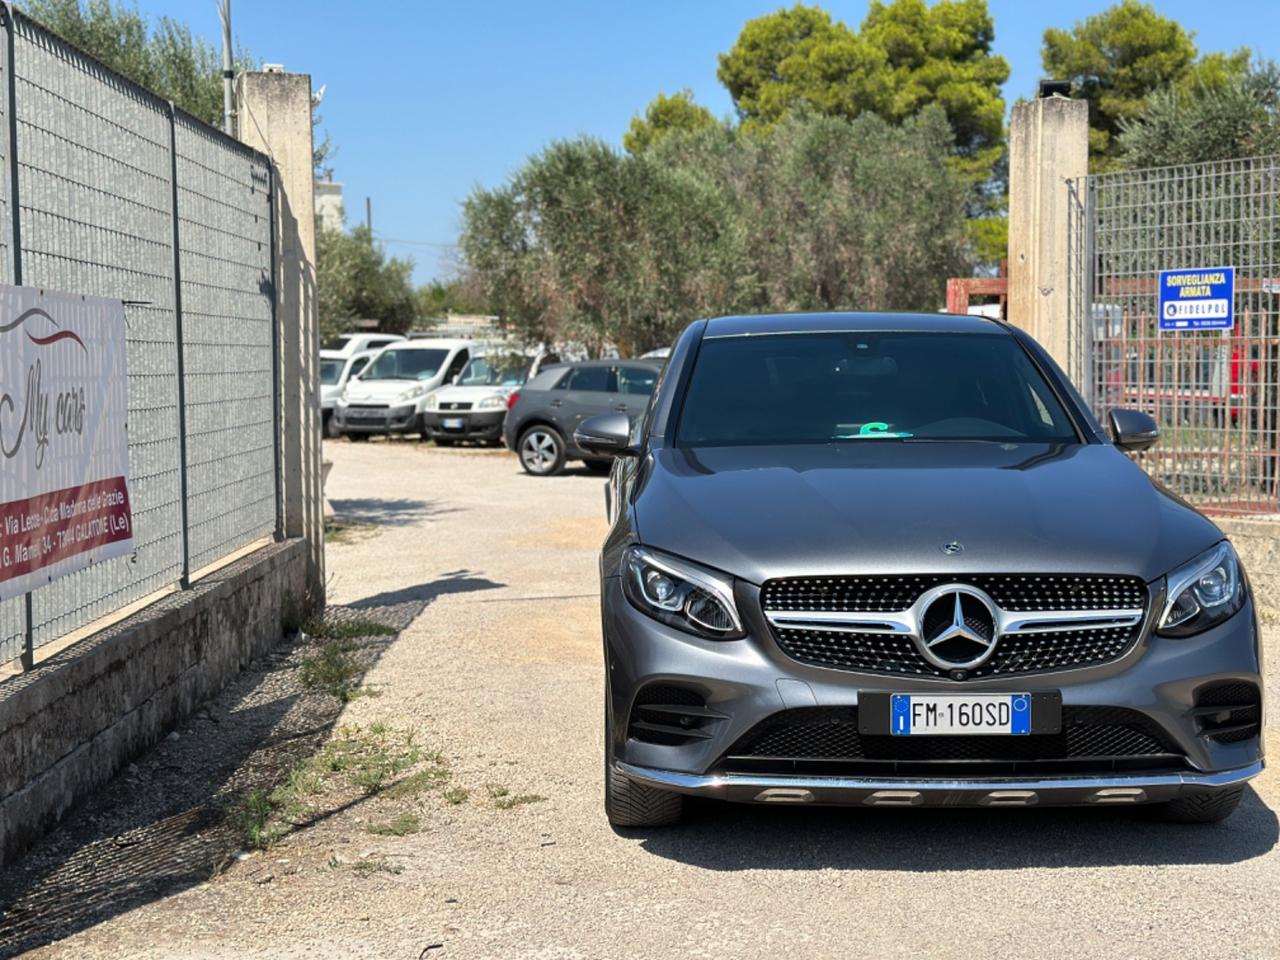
(349, 344)
(335, 370)
(474, 407)
(390, 394)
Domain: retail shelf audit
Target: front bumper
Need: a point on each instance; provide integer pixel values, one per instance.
(377, 419)
(750, 681)
(464, 424)
(907, 792)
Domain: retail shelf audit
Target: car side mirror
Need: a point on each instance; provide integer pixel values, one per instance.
(608, 435)
(1133, 430)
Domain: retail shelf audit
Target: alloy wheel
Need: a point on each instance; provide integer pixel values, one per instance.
(539, 451)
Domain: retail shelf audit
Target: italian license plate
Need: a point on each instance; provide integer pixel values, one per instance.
(913, 714)
(453, 423)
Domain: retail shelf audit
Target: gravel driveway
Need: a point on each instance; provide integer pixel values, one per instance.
(500, 672)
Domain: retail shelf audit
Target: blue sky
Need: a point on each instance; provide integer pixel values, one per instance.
(427, 99)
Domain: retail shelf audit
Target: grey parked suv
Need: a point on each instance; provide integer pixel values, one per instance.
(543, 414)
(894, 560)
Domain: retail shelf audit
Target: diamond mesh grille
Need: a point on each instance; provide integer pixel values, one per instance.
(1014, 592)
(1014, 654)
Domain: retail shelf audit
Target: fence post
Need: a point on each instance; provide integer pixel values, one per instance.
(1048, 147)
(276, 402)
(28, 657)
(178, 336)
(1090, 273)
(274, 111)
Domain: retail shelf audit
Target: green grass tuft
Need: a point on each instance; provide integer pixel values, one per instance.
(367, 868)
(397, 826)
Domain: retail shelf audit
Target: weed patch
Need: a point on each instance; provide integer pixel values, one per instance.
(348, 531)
(332, 669)
(397, 826)
(252, 818)
(356, 761)
(417, 783)
(504, 799)
(367, 868)
(456, 795)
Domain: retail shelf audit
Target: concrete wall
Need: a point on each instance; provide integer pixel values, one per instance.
(71, 723)
(1257, 541)
(1048, 145)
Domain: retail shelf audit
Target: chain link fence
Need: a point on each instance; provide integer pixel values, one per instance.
(1215, 393)
(109, 191)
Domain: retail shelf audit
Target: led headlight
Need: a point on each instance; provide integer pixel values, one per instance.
(681, 594)
(1203, 593)
(413, 393)
(433, 403)
(495, 402)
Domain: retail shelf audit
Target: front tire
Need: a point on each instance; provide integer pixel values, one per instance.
(631, 804)
(541, 451)
(1201, 806)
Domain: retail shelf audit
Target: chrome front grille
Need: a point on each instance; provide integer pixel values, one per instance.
(874, 624)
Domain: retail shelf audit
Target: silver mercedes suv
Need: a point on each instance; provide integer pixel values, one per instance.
(894, 560)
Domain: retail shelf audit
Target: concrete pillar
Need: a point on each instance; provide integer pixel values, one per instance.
(1048, 145)
(274, 113)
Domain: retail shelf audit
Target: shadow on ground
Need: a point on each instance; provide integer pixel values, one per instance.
(159, 827)
(379, 511)
(722, 836)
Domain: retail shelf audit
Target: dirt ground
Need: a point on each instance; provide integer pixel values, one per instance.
(487, 705)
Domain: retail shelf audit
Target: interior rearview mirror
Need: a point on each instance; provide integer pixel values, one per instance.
(608, 435)
(1133, 430)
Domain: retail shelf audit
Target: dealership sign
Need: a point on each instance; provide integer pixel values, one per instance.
(1198, 299)
(64, 455)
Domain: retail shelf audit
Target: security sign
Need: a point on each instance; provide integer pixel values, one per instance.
(1197, 299)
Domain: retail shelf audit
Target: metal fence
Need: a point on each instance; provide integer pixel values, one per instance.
(109, 191)
(1214, 393)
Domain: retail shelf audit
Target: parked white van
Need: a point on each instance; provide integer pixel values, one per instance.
(336, 369)
(348, 344)
(473, 406)
(390, 394)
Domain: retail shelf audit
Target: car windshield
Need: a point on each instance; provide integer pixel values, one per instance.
(330, 371)
(860, 387)
(405, 365)
(500, 372)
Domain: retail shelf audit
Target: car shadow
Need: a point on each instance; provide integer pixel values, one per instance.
(731, 837)
(167, 822)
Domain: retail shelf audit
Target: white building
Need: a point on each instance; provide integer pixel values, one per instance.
(329, 211)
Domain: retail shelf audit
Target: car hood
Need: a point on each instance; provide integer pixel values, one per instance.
(380, 391)
(889, 507)
(472, 394)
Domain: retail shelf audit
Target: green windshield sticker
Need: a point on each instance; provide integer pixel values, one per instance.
(878, 429)
(874, 430)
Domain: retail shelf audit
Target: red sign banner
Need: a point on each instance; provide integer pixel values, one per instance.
(40, 531)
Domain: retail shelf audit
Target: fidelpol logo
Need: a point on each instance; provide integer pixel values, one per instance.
(1197, 299)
